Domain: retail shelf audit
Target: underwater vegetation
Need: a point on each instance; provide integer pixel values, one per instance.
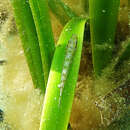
(64, 65)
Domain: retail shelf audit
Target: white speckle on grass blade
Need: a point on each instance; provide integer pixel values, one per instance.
(104, 11)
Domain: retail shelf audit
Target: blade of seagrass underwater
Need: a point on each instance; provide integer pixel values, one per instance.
(28, 35)
(103, 22)
(56, 115)
(42, 22)
(61, 11)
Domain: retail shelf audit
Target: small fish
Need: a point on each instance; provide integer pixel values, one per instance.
(70, 51)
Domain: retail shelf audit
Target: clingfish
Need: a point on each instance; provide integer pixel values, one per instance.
(70, 51)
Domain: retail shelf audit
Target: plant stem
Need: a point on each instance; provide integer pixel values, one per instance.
(44, 31)
(62, 11)
(27, 31)
(55, 114)
(103, 21)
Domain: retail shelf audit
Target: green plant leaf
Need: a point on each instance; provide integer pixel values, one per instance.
(55, 115)
(103, 21)
(27, 31)
(44, 31)
(61, 10)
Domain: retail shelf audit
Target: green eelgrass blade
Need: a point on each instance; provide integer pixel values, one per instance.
(55, 115)
(61, 10)
(44, 31)
(27, 31)
(103, 21)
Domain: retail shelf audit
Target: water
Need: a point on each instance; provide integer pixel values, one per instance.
(21, 103)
